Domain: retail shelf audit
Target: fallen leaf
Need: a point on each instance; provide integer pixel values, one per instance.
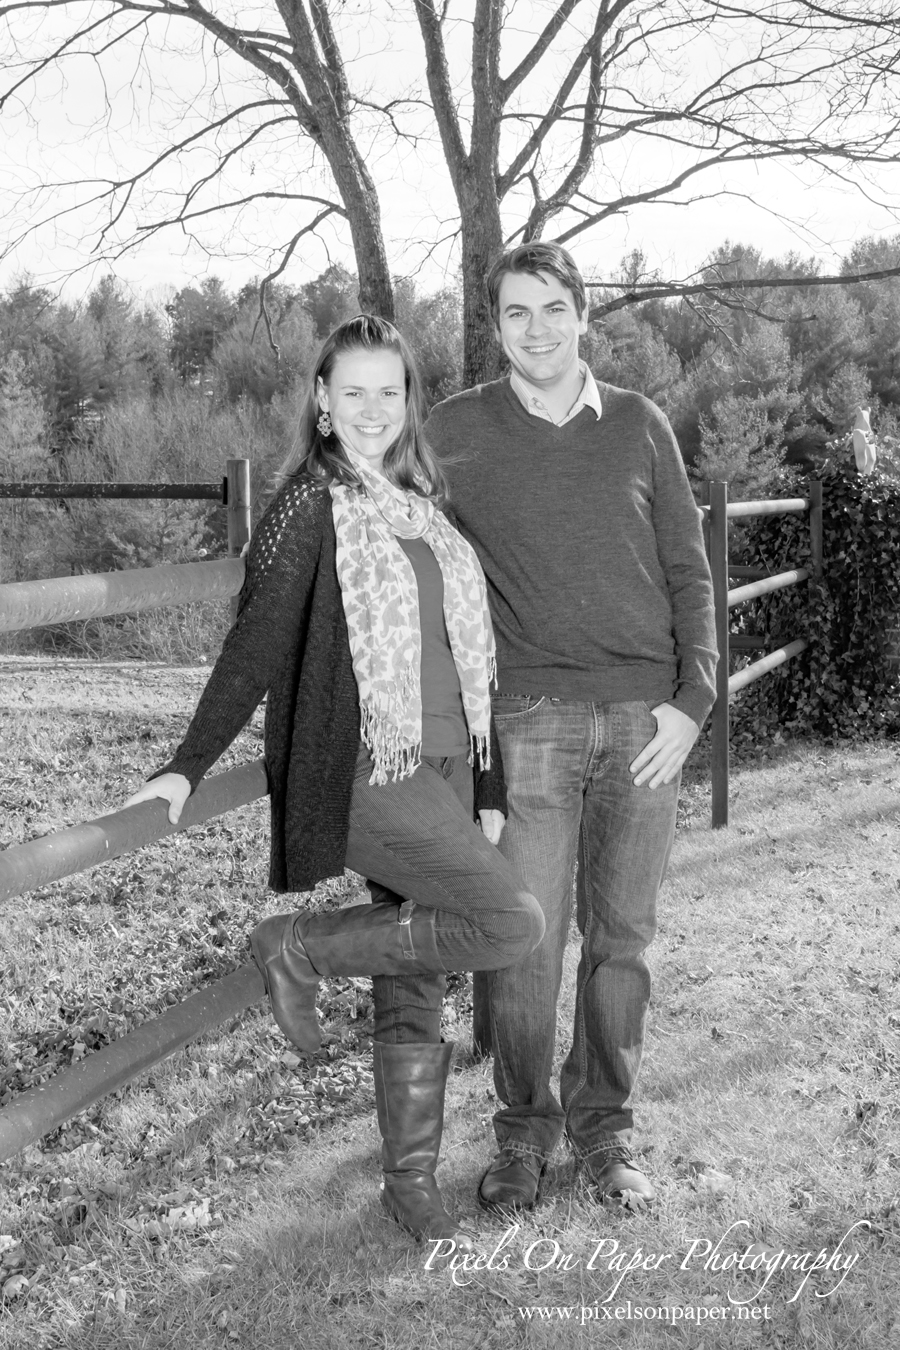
(712, 1183)
(14, 1287)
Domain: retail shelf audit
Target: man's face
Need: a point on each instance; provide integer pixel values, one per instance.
(538, 327)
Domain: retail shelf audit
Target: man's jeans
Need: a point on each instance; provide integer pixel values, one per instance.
(571, 795)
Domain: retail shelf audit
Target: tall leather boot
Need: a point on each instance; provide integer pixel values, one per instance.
(410, 1081)
(294, 950)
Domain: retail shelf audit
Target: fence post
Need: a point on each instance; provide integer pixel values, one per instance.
(704, 501)
(238, 480)
(719, 730)
(481, 1014)
(815, 525)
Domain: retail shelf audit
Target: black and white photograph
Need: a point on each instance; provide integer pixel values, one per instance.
(449, 675)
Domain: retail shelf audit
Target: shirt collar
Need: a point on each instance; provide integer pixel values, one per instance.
(531, 400)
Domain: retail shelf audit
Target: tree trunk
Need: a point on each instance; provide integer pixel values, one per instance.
(376, 293)
(482, 240)
(326, 117)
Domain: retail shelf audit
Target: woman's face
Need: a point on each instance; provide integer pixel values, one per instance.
(366, 396)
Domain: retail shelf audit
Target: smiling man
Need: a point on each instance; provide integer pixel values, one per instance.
(575, 497)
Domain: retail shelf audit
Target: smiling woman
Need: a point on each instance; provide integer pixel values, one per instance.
(363, 619)
(365, 397)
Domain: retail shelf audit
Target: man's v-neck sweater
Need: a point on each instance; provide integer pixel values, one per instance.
(592, 546)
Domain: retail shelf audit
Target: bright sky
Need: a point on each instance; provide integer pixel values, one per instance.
(62, 138)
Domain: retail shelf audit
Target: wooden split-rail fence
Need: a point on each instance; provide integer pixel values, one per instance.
(41, 1109)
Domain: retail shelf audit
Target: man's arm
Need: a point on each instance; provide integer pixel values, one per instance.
(679, 542)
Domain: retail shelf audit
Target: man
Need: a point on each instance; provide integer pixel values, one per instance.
(575, 497)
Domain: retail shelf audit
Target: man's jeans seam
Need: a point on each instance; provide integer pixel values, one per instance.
(579, 999)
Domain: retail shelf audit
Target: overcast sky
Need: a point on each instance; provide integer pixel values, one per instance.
(78, 129)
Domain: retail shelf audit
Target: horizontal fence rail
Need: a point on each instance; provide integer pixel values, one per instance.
(742, 678)
(54, 856)
(24, 867)
(717, 512)
(38, 1110)
(30, 604)
(741, 594)
(213, 492)
(778, 506)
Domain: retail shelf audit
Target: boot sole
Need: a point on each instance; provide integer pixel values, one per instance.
(425, 1237)
(506, 1206)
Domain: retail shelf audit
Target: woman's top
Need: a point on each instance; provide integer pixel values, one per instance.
(444, 730)
(381, 605)
(289, 641)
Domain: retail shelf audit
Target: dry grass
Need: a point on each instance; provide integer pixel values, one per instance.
(230, 1197)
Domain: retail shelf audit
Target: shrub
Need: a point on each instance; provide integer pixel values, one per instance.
(847, 682)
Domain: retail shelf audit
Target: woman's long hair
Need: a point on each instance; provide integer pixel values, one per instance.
(408, 462)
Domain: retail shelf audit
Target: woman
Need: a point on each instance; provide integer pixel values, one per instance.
(363, 617)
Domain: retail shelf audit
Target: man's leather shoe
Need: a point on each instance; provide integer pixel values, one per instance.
(511, 1181)
(616, 1178)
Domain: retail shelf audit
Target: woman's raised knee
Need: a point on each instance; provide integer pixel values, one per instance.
(520, 930)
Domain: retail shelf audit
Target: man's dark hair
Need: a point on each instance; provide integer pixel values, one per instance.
(534, 259)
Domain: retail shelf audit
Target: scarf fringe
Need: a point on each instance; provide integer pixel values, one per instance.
(480, 751)
(391, 757)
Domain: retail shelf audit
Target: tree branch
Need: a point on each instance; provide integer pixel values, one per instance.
(589, 50)
(541, 45)
(438, 73)
(183, 216)
(64, 49)
(572, 181)
(333, 61)
(639, 293)
(263, 285)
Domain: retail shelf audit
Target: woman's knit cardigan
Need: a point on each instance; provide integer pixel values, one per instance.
(290, 641)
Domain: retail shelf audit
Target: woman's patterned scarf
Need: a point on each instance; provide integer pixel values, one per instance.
(381, 602)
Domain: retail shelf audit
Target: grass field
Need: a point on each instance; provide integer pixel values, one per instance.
(229, 1198)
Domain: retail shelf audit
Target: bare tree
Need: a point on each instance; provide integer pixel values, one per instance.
(301, 86)
(551, 117)
(714, 84)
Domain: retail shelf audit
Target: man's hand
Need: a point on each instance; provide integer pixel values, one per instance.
(661, 758)
(492, 823)
(174, 788)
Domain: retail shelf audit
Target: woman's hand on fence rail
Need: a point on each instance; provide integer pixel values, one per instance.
(663, 756)
(171, 787)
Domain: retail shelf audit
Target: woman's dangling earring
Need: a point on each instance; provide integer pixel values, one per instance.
(324, 425)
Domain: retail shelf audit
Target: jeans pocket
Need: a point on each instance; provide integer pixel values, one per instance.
(637, 725)
(504, 706)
